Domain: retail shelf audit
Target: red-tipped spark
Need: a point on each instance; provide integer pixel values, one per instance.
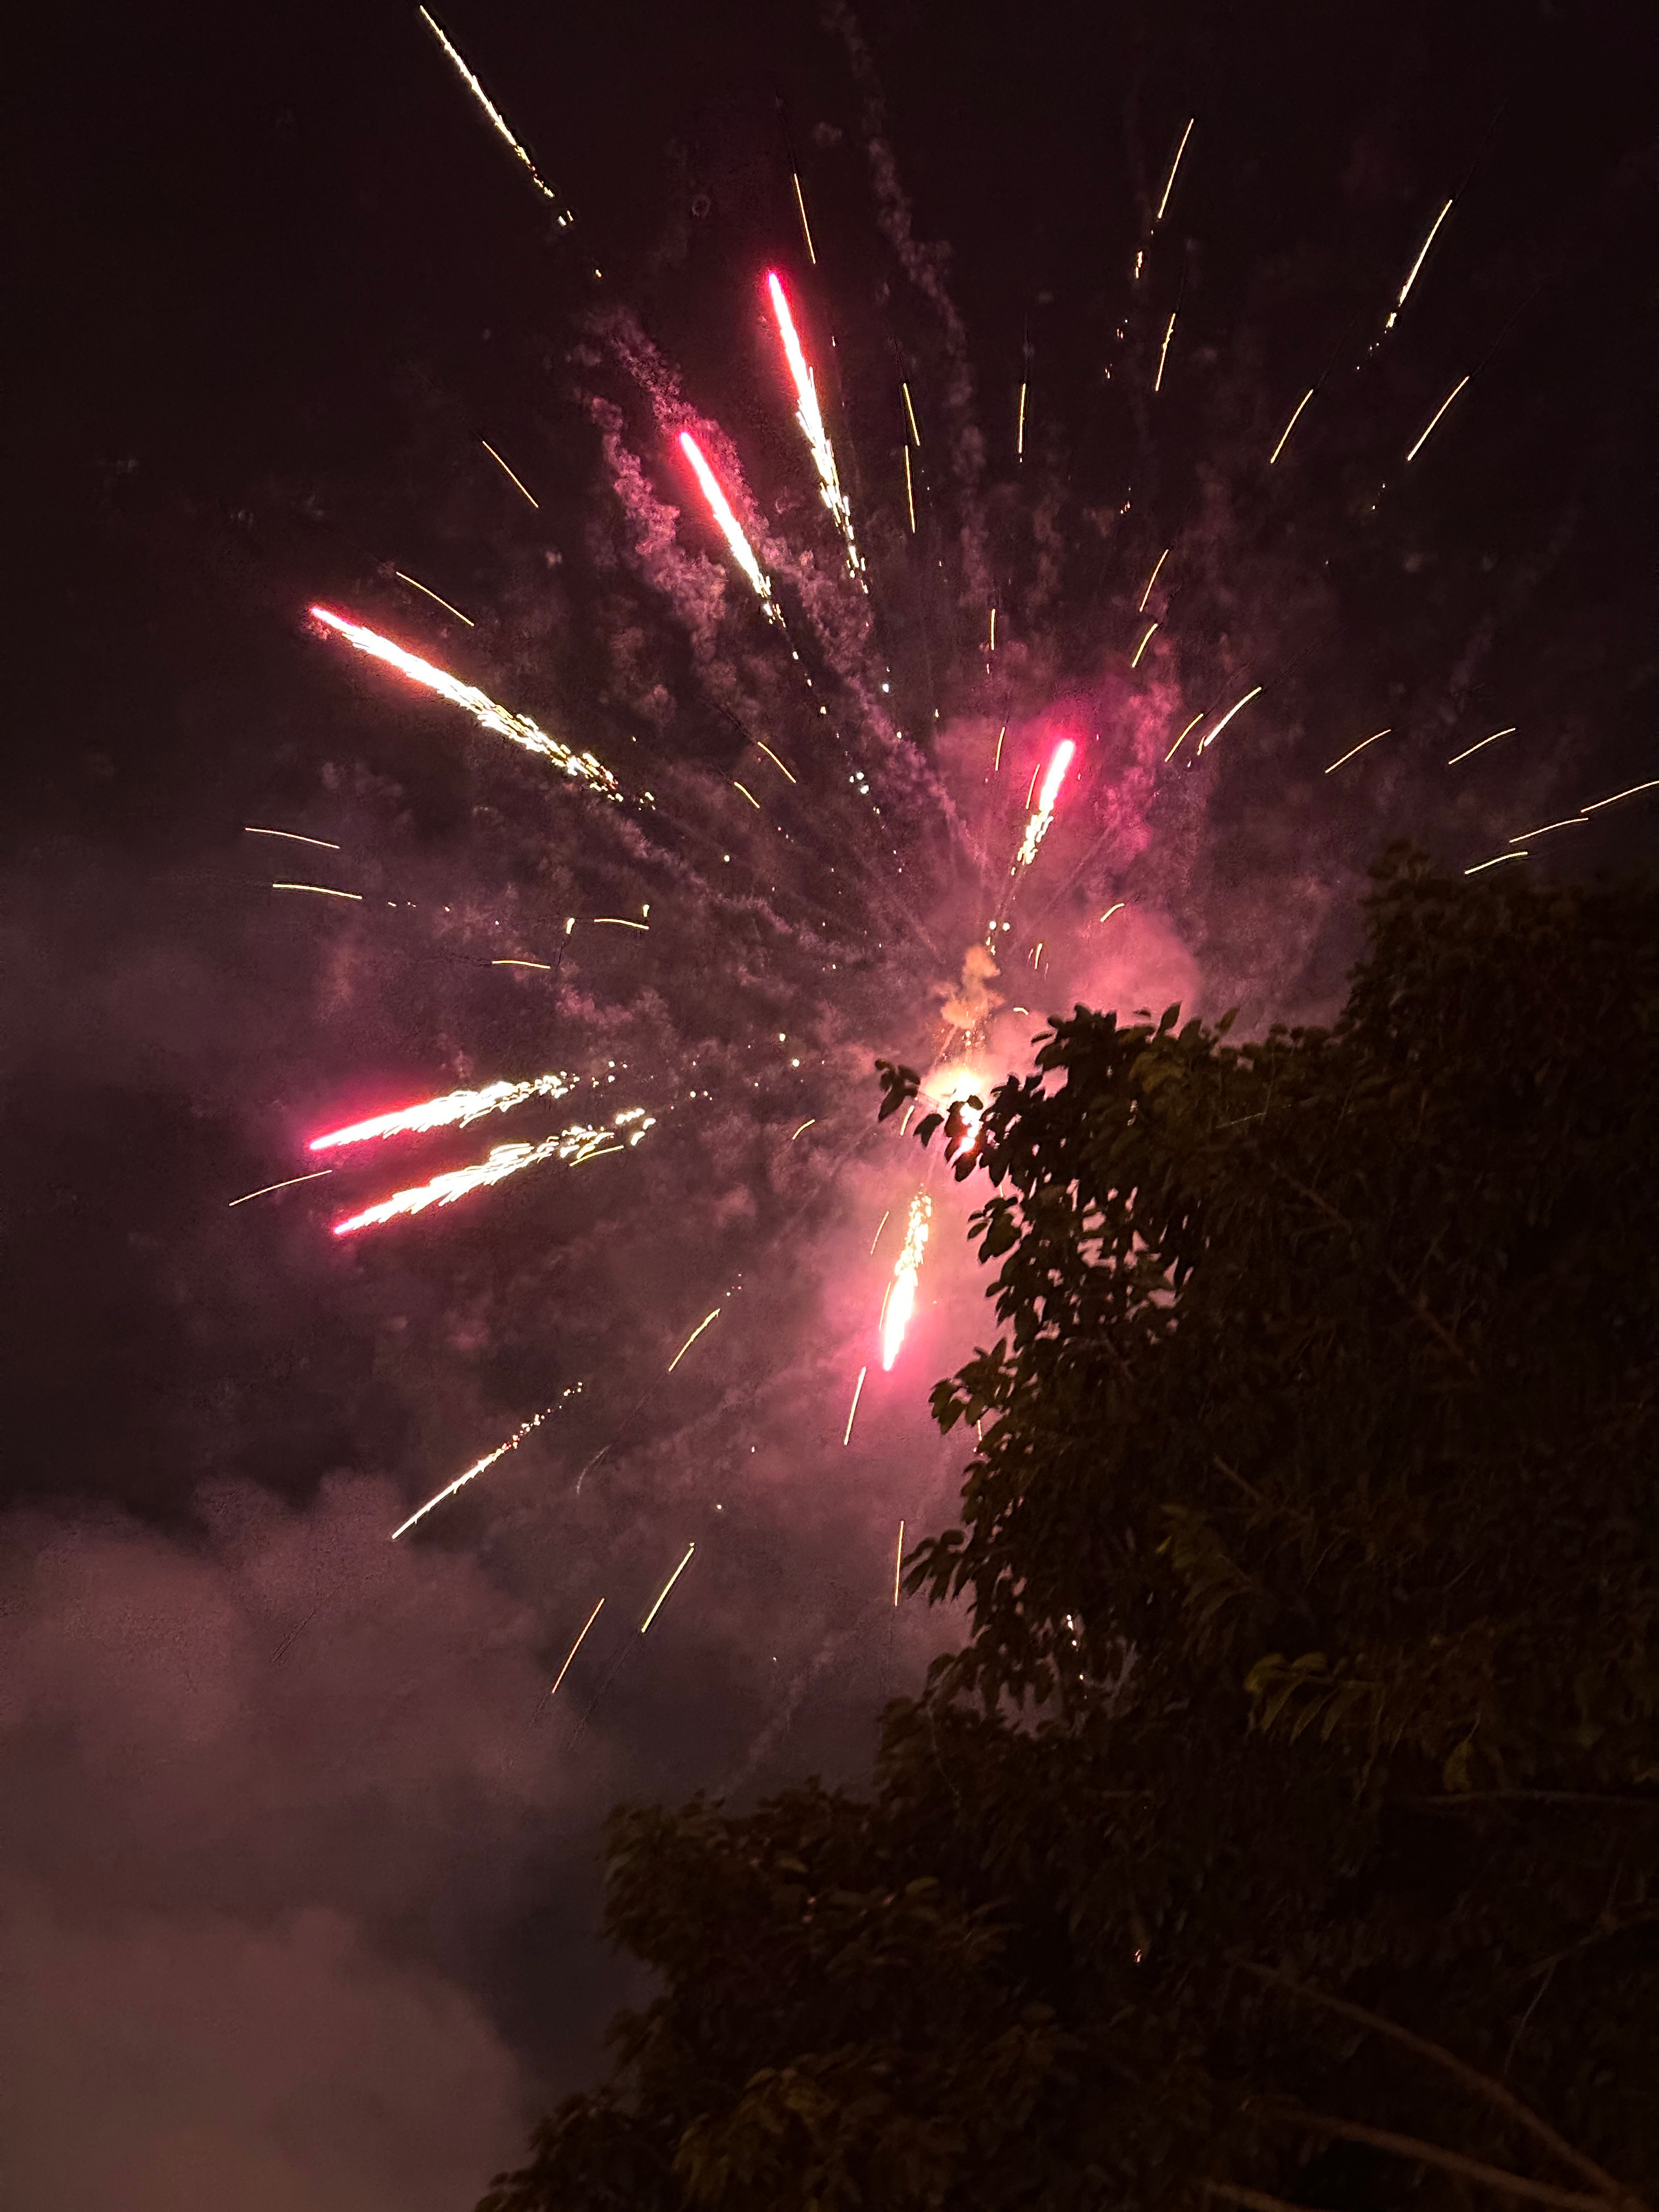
(457, 1107)
(730, 528)
(810, 419)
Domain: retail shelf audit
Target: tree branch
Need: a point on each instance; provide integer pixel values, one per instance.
(1466, 1797)
(1478, 2084)
(1449, 2161)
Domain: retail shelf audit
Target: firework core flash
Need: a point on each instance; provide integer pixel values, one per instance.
(584, 766)
(807, 414)
(666, 1587)
(477, 1467)
(456, 1107)
(902, 1294)
(1037, 828)
(498, 121)
(731, 529)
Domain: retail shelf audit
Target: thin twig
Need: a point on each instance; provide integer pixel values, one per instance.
(1480, 2084)
(1449, 2161)
(1466, 1797)
(1254, 2200)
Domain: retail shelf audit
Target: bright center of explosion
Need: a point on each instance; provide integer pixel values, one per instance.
(902, 1302)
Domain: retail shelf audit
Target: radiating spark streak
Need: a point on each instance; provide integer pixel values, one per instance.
(1037, 770)
(1037, 952)
(518, 480)
(455, 1107)
(545, 966)
(899, 1562)
(692, 1339)
(520, 728)
(902, 1300)
(619, 921)
(573, 1146)
(1204, 742)
(1037, 828)
(666, 1587)
(909, 491)
(1135, 659)
(874, 1240)
(852, 1411)
(1596, 804)
(497, 119)
(1019, 432)
(1173, 166)
(265, 1189)
(747, 794)
(773, 757)
(994, 630)
(804, 1127)
(915, 435)
(575, 1648)
(996, 765)
(1290, 425)
(1183, 739)
(605, 1152)
(1359, 748)
(322, 891)
(805, 227)
(1567, 821)
(1496, 859)
(251, 829)
(810, 419)
(1435, 417)
(477, 1467)
(434, 597)
(1422, 257)
(730, 528)
(1163, 354)
(1491, 740)
(1111, 911)
(1152, 579)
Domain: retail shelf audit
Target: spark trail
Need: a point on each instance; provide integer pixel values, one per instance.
(456, 1107)
(1042, 816)
(476, 1468)
(730, 528)
(901, 1295)
(583, 767)
(582, 1141)
(498, 122)
(810, 419)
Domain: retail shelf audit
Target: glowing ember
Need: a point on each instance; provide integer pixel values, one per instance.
(1037, 828)
(901, 1295)
(457, 1107)
(730, 528)
(807, 414)
(584, 766)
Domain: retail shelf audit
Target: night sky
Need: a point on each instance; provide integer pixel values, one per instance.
(298, 1860)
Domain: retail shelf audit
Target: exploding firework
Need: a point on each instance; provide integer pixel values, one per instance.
(901, 1291)
(1037, 828)
(455, 1109)
(580, 1141)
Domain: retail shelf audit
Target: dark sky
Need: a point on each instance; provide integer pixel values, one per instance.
(297, 1898)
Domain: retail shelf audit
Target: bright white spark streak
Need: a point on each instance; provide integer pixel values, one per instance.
(810, 419)
(747, 794)
(497, 119)
(1182, 739)
(1359, 748)
(1290, 425)
(804, 1127)
(575, 1648)
(666, 1587)
(251, 829)
(852, 1410)
(1037, 828)
(773, 757)
(1210, 739)
(619, 921)
(1152, 579)
(1496, 861)
(545, 966)
(574, 1144)
(996, 765)
(265, 1189)
(1163, 354)
(437, 599)
(902, 1298)
(1596, 804)
(455, 1107)
(1491, 740)
(731, 529)
(1412, 277)
(477, 1467)
(692, 1339)
(1141, 648)
(915, 435)
(520, 728)
(1567, 821)
(874, 1240)
(909, 491)
(516, 477)
(1111, 911)
(1173, 166)
(322, 891)
(805, 227)
(1019, 433)
(899, 1562)
(1435, 417)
